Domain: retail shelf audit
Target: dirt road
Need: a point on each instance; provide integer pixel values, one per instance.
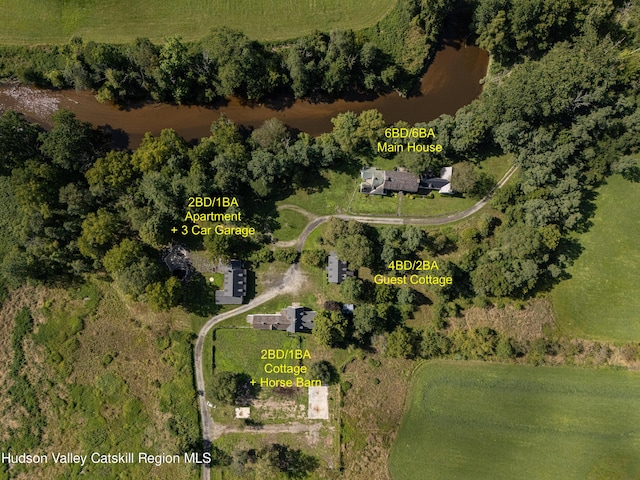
(291, 280)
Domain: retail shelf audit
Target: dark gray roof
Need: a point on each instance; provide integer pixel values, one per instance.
(268, 321)
(292, 319)
(435, 183)
(336, 269)
(400, 182)
(300, 319)
(234, 286)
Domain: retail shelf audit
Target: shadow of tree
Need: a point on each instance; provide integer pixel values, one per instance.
(200, 296)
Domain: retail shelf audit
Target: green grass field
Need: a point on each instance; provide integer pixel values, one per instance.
(291, 224)
(240, 350)
(116, 21)
(332, 197)
(489, 421)
(601, 301)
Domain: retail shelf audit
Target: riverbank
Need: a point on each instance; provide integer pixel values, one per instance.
(452, 81)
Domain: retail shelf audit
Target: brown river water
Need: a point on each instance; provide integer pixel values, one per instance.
(451, 81)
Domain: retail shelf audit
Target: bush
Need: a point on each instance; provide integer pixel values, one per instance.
(323, 371)
(224, 387)
(286, 255)
(313, 258)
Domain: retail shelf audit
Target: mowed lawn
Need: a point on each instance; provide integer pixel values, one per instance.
(117, 21)
(490, 421)
(241, 350)
(601, 300)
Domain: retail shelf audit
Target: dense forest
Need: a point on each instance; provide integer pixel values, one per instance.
(82, 207)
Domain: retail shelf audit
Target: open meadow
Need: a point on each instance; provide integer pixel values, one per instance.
(600, 301)
(114, 21)
(89, 372)
(490, 421)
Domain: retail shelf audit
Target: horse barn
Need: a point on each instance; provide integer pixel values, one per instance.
(292, 319)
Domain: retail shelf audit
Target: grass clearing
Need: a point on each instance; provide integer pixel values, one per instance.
(373, 204)
(320, 446)
(329, 198)
(115, 21)
(418, 206)
(600, 301)
(372, 410)
(240, 350)
(496, 166)
(341, 195)
(491, 421)
(291, 224)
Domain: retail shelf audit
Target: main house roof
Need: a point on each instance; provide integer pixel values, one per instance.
(383, 182)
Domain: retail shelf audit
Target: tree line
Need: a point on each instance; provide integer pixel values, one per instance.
(386, 56)
(567, 111)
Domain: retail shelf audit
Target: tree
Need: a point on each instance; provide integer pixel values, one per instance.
(134, 278)
(99, 232)
(122, 256)
(111, 175)
(304, 61)
(370, 130)
(345, 126)
(164, 295)
(18, 140)
(330, 328)
(224, 387)
(434, 344)
(276, 458)
(174, 75)
(313, 258)
(68, 143)
(414, 239)
(143, 57)
(154, 153)
(366, 321)
(357, 250)
(286, 255)
(401, 343)
(385, 293)
(351, 289)
(464, 178)
(323, 371)
(406, 297)
(272, 135)
(236, 65)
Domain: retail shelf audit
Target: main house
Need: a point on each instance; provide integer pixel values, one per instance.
(292, 319)
(385, 182)
(234, 287)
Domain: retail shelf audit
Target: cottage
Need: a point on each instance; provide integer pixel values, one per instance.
(292, 319)
(337, 270)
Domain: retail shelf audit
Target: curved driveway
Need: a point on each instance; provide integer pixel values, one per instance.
(292, 278)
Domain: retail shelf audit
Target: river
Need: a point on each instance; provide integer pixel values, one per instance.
(451, 81)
